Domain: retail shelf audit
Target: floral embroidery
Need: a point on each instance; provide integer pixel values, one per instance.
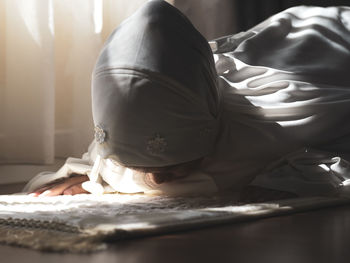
(100, 134)
(156, 145)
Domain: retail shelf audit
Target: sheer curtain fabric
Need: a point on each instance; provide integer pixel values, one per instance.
(47, 53)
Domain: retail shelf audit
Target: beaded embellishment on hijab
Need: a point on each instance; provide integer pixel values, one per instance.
(156, 145)
(100, 134)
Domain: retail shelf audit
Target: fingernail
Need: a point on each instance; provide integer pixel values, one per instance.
(33, 194)
(46, 193)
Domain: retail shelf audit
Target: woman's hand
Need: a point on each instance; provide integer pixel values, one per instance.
(67, 186)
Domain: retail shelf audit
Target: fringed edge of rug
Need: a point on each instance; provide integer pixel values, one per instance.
(57, 236)
(218, 216)
(50, 236)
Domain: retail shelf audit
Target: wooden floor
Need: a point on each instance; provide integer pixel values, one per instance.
(316, 236)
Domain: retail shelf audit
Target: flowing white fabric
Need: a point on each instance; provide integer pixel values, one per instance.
(286, 88)
(286, 97)
(115, 178)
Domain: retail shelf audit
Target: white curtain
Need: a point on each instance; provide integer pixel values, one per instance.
(27, 81)
(47, 52)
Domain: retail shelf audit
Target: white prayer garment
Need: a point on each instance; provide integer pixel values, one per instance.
(272, 111)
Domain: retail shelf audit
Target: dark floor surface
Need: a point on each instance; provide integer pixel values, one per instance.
(316, 236)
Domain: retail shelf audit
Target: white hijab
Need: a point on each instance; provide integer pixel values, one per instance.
(154, 91)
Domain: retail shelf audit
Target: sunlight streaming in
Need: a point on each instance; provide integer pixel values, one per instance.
(98, 16)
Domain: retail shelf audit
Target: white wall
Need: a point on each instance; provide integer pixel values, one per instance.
(24, 172)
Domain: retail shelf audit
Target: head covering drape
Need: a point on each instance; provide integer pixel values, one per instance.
(154, 90)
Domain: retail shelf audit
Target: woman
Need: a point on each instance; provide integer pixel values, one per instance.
(271, 110)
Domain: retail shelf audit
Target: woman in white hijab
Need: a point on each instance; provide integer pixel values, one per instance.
(271, 110)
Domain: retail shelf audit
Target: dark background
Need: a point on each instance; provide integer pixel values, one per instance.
(251, 12)
(217, 18)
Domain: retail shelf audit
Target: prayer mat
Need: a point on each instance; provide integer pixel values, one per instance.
(87, 223)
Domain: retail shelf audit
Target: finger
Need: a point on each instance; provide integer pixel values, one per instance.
(59, 189)
(75, 189)
(46, 186)
(38, 191)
